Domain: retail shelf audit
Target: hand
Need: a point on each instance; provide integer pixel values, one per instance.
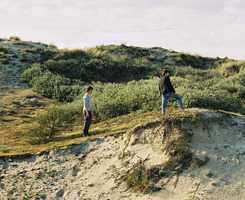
(85, 113)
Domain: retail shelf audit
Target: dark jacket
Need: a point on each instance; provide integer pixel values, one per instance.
(165, 85)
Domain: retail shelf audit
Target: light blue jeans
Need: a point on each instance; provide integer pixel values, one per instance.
(167, 96)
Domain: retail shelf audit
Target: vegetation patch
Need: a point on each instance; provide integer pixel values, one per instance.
(51, 122)
(15, 129)
(175, 130)
(199, 88)
(4, 148)
(138, 179)
(177, 139)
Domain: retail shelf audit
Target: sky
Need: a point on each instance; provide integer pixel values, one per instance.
(205, 27)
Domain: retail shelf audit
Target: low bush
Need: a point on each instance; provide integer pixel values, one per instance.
(111, 100)
(200, 88)
(241, 78)
(51, 85)
(29, 74)
(241, 93)
(50, 122)
(138, 179)
(212, 100)
(196, 74)
(231, 68)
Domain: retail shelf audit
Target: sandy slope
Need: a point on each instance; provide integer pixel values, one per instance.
(95, 170)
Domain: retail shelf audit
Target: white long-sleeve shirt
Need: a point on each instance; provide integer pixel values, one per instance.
(87, 102)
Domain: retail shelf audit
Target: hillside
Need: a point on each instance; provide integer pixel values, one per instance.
(17, 55)
(116, 63)
(133, 152)
(198, 154)
(156, 56)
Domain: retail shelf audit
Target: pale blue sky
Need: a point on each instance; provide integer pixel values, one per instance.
(210, 27)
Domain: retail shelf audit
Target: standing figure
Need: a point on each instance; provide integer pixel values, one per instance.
(167, 91)
(87, 110)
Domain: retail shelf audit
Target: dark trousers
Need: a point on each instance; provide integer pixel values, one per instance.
(87, 121)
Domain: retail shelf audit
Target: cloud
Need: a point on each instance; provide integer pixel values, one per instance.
(213, 28)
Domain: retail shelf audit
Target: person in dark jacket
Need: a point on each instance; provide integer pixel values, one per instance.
(167, 91)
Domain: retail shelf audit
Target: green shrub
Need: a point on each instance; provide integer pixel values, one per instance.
(51, 121)
(30, 74)
(67, 93)
(138, 179)
(232, 68)
(226, 84)
(111, 100)
(241, 78)
(86, 67)
(48, 84)
(241, 93)
(51, 85)
(212, 100)
(196, 74)
(64, 77)
(68, 68)
(4, 50)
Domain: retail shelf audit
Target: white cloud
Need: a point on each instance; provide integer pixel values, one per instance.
(213, 28)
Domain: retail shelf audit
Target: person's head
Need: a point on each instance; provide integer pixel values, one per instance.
(89, 90)
(165, 72)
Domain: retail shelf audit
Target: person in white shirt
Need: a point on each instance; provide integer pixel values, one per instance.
(87, 110)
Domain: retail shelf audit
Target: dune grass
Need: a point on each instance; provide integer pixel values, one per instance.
(18, 117)
(17, 144)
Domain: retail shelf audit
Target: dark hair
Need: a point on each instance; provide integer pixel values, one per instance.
(89, 88)
(164, 72)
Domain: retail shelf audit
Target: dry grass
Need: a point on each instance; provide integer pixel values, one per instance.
(17, 119)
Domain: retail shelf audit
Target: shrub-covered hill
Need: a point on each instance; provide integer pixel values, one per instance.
(111, 63)
(17, 55)
(156, 56)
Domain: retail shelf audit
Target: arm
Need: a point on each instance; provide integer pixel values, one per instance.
(161, 82)
(160, 89)
(86, 103)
